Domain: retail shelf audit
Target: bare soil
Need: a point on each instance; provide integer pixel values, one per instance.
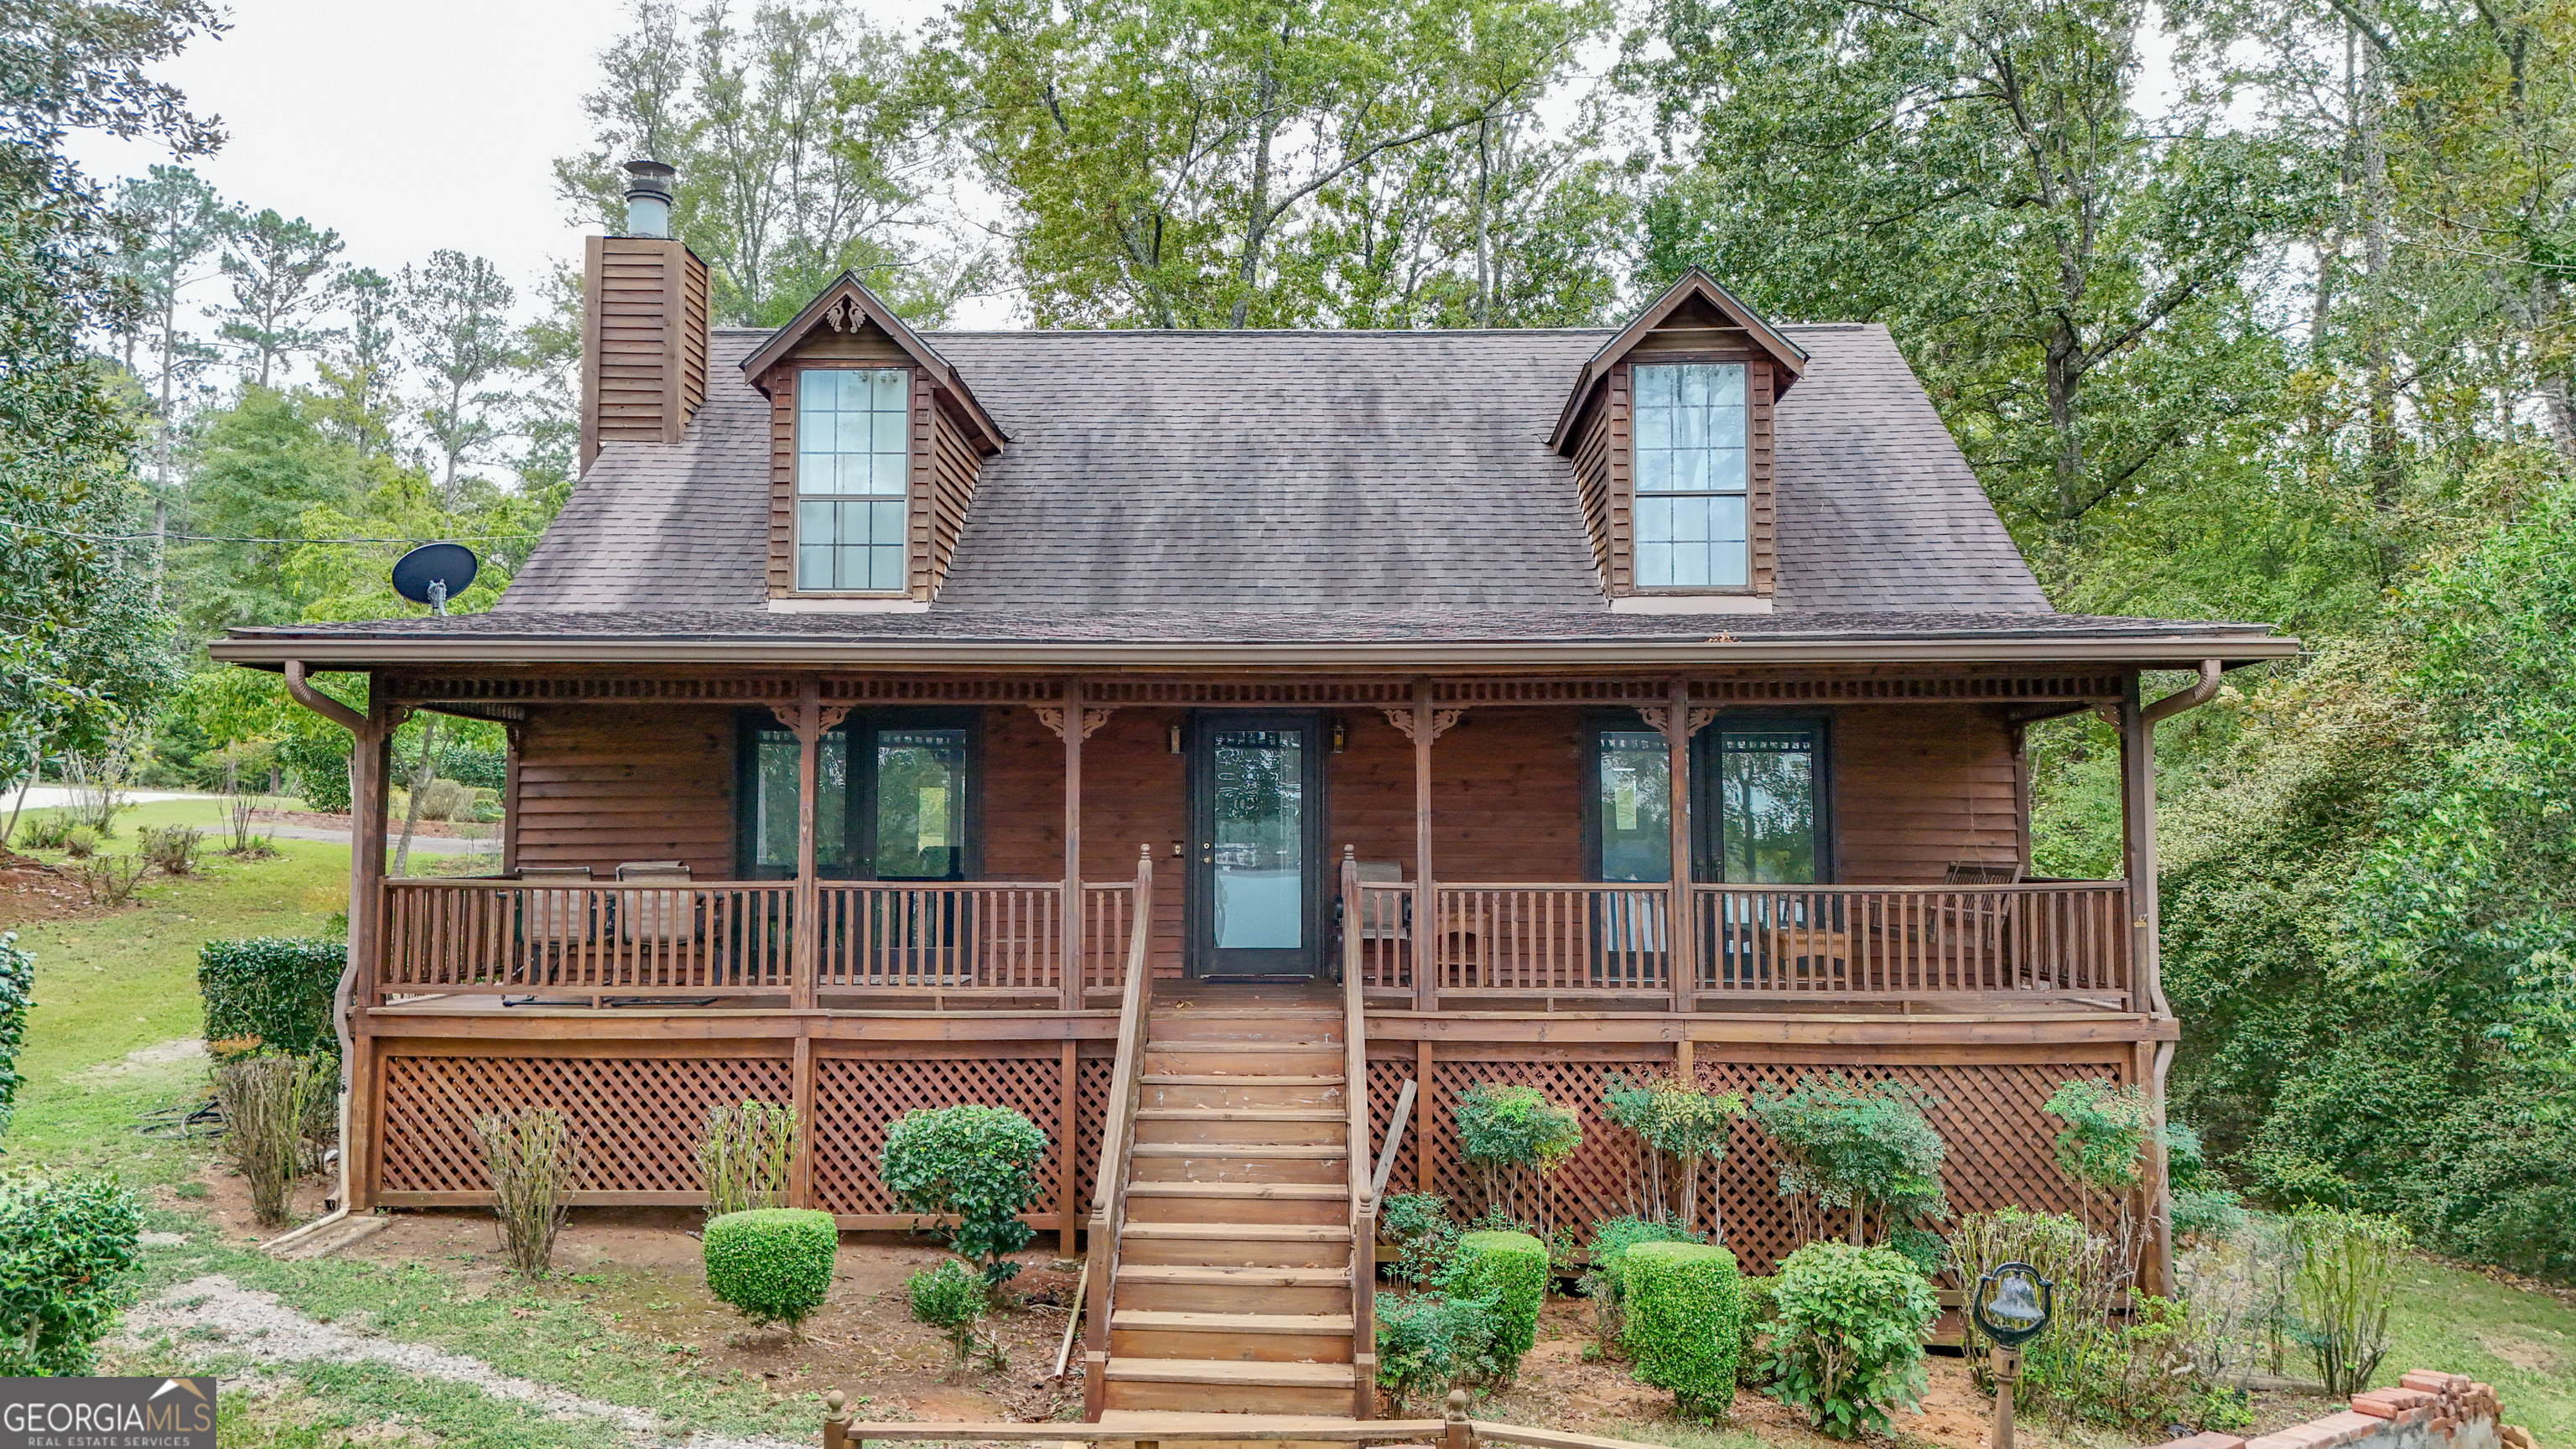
(32, 891)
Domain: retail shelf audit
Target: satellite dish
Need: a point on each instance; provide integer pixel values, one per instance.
(434, 573)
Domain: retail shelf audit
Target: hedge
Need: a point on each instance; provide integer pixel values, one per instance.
(1510, 1268)
(1683, 1327)
(65, 1248)
(274, 991)
(17, 993)
(774, 1264)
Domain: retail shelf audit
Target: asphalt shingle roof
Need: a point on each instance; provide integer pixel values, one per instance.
(1157, 473)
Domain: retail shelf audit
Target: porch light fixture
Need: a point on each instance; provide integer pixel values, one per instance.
(1175, 739)
(1341, 734)
(2011, 1305)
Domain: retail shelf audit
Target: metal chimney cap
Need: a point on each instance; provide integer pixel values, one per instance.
(650, 178)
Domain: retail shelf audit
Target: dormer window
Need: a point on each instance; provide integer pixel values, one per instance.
(1691, 479)
(853, 460)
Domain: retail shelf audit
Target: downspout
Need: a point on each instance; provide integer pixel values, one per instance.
(2191, 697)
(356, 724)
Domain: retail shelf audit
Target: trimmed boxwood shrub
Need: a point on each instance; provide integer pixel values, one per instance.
(774, 1264)
(978, 1165)
(1683, 1322)
(1511, 1269)
(1848, 1341)
(272, 993)
(65, 1248)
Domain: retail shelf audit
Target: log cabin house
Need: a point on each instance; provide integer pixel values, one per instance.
(1225, 748)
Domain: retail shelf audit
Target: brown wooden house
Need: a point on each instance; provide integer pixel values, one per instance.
(1189, 739)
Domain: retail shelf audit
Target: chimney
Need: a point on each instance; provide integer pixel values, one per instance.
(644, 324)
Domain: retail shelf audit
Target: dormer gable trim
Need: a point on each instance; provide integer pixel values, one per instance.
(1788, 356)
(845, 306)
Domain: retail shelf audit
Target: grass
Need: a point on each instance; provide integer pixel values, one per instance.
(2462, 1322)
(114, 984)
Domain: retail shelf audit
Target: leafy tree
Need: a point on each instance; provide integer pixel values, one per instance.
(176, 226)
(78, 632)
(455, 312)
(2076, 285)
(1170, 163)
(360, 370)
(258, 467)
(1849, 1146)
(278, 273)
(803, 151)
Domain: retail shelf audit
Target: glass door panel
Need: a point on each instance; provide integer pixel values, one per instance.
(1255, 810)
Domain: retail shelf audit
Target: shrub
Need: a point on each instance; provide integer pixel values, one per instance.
(45, 830)
(1684, 1324)
(172, 849)
(772, 1264)
(745, 1156)
(446, 800)
(266, 1099)
(109, 880)
(80, 842)
(2208, 1212)
(2069, 1258)
(1850, 1147)
(321, 778)
(1516, 1139)
(1677, 1123)
(950, 1297)
(1612, 1237)
(17, 993)
(1848, 1341)
(1757, 1317)
(272, 991)
(2347, 1276)
(64, 1249)
(1427, 1342)
(978, 1165)
(1418, 1223)
(1510, 1269)
(535, 1165)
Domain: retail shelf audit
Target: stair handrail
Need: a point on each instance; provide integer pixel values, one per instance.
(1363, 1201)
(1109, 1179)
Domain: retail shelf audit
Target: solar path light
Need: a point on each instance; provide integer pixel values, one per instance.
(2011, 1306)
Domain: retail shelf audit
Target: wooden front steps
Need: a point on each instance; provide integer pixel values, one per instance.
(1233, 1289)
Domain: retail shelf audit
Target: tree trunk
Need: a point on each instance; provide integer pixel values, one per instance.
(1256, 226)
(2382, 423)
(1860, 1220)
(35, 767)
(2063, 377)
(1484, 205)
(420, 779)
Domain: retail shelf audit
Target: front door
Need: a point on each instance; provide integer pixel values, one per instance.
(1256, 823)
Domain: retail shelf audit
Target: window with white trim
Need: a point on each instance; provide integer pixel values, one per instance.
(853, 461)
(1691, 505)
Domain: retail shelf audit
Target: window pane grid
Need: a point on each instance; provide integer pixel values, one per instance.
(1690, 510)
(853, 461)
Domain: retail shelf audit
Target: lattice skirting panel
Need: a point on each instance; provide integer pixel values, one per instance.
(1999, 1141)
(637, 1117)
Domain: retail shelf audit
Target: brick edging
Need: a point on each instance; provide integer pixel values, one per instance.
(2423, 1406)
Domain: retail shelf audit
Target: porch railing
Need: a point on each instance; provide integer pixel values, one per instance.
(737, 938)
(1571, 941)
(708, 938)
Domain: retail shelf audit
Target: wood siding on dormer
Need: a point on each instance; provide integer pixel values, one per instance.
(940, 480)
(1603, 458)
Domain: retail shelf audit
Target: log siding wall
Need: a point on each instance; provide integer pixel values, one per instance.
(1915, 787)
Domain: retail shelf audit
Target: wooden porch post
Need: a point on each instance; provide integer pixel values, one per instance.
(368, 767)
(808, 933)
(2146, 976)
(1071, 969)
(514, 738)
(1426, 897)
(1680, 932)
